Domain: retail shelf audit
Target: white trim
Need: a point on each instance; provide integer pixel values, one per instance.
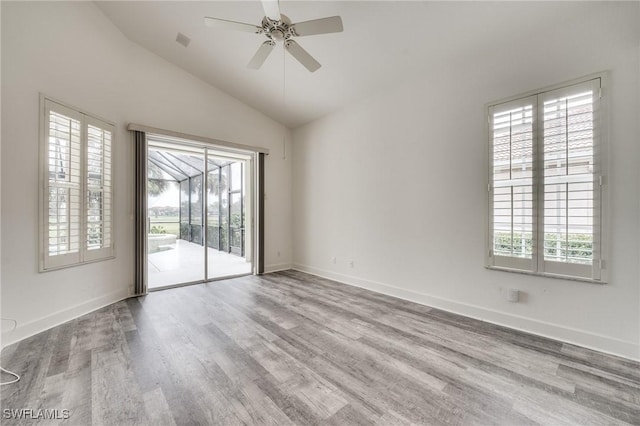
(276, 267)
(546, 275)
(598, 342)
(45, 323)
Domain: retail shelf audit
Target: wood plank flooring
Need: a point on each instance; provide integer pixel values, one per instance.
(293, 349)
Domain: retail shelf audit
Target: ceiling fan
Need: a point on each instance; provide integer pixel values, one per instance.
(277, 27)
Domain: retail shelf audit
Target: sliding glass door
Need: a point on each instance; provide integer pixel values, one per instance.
(227, 219)
(197, 213)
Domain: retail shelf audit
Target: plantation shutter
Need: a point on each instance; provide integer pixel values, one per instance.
(546, 183)
(570, 198)
(98, 190)
(512, 185)
(63, 163)
(77, 173)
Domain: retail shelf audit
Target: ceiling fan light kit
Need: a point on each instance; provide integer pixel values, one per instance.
(278, 28)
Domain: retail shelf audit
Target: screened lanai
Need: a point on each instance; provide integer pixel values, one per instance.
(178, 191)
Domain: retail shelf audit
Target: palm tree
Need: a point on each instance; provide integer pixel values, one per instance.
(156, 183)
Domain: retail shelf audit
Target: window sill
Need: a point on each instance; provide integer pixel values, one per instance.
(73, 265)
(546, 275)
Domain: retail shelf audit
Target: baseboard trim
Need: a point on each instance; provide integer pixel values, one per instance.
(569, 335)
(31, 328)
(277, 267)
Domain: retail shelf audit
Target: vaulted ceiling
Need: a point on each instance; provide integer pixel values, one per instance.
(383, 42)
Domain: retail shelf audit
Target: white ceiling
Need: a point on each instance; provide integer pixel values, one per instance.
(383, 42)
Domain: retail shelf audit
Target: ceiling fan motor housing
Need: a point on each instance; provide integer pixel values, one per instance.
(277, 30)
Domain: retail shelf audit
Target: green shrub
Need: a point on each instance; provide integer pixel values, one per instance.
(157, 229)
(576, 246)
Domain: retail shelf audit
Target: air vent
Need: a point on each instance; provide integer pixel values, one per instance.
(183, 39)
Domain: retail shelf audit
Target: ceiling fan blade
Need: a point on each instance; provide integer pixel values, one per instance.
(332, 24)
(261, 55)
(231, 25)
(271, 9)
(301, 55)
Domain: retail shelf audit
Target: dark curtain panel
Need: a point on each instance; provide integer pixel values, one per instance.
(140, 142)
(260, 212)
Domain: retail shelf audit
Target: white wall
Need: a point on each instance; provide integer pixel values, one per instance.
(72, 52)
(396, 183)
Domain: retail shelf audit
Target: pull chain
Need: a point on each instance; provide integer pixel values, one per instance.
(284, 99)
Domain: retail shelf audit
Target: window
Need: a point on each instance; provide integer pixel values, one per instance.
(76, 213)
(546, 183)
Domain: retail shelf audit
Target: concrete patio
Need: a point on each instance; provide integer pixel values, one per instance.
(184, 262)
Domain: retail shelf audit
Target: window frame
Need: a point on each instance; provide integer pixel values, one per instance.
(84, 255)
(537, 265)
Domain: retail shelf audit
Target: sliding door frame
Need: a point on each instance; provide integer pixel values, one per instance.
(255, 164)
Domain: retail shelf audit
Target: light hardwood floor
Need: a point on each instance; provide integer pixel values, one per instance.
(291, 348)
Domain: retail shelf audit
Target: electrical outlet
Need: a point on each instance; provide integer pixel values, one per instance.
(278, 254)
(513, 295)
(334, 260)
(351, 264)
